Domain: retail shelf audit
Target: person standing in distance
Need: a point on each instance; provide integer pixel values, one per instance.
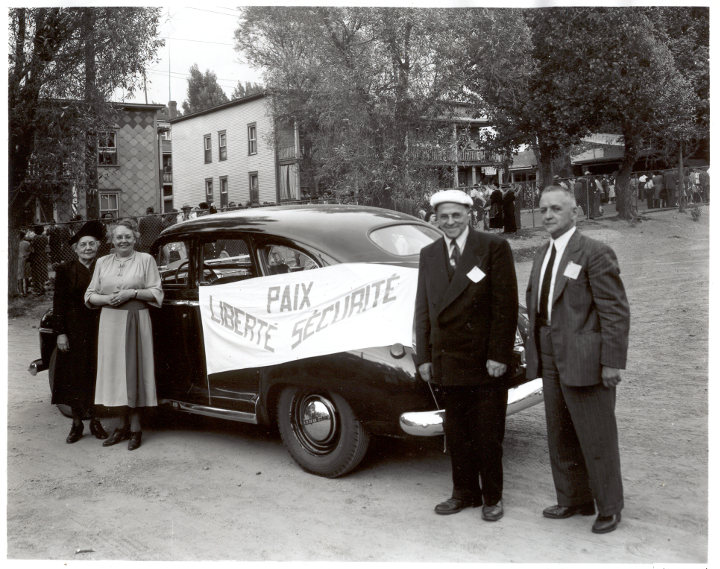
(578, 340)
(466, 312)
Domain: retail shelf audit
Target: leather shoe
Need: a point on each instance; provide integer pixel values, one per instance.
(96, 429)
(454, 505)
(117, 436)
(605, 524)
(76, 432)
(135, 440)
(561, 512)
(493, 513)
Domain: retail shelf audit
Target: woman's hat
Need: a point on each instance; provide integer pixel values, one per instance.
(94, 229)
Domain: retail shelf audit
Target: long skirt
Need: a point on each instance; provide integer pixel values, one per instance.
(125, 372)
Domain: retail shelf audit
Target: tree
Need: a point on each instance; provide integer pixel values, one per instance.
(48, 111)
(245, 90)
(686, 34)
(589, 69)
(360, 83)
(639, 89)
(203, 91)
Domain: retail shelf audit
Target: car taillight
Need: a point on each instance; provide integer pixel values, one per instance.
(47, 319)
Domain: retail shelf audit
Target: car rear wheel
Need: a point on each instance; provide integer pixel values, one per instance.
(321, 431)
(64, 409)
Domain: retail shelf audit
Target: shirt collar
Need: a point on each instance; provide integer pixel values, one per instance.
(459, 240)
(562, 241)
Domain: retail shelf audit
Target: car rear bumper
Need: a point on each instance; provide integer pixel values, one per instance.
(430, 423)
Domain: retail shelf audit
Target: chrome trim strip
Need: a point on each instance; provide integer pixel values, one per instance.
(181, 303)
(430, 423)
(525, 395)
(216, 412)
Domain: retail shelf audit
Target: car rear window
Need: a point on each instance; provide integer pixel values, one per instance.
(403, 240)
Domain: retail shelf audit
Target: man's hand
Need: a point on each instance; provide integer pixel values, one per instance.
(610, 376)
(495, 369)
(63, 343)
(425, 371)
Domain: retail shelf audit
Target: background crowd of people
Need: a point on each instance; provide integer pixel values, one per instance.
(498, 208)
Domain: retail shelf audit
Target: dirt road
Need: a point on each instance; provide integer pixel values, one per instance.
(204, 489)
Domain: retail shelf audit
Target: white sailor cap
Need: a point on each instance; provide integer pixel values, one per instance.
(450, 196)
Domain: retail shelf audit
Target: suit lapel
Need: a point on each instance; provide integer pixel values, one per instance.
(438, 275)
(569, 254)
(473, 254)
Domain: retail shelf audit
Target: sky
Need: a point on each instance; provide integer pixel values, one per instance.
(202, 35)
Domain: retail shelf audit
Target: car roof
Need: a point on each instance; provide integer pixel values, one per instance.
(337, 229)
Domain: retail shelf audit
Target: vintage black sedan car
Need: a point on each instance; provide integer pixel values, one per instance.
(327, 407)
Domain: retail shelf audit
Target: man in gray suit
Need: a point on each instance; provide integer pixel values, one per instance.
(578, 340)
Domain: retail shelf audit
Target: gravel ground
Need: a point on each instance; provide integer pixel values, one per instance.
(201, 489)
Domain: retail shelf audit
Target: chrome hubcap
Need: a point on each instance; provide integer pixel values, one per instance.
(315, 423)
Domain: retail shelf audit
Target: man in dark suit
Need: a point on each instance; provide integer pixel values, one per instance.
(465, 320)
(578, 340)
(149, 227)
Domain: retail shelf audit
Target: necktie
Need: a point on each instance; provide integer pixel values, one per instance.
(454, 257)
(545, 288)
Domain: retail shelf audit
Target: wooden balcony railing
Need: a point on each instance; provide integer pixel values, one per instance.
(446, 155)
(287, 153)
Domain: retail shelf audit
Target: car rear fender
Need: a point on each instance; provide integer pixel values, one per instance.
(378, 386)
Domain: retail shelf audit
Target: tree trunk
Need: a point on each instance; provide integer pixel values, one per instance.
(625, 200)
(544, 160)
(680, 186)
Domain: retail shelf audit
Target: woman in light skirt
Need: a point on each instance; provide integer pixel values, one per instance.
(124, 284)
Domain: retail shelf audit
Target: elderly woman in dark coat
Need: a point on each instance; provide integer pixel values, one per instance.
(496, 209)
(74, 378)
(508, 200)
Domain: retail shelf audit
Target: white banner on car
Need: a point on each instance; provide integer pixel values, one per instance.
(280, 318)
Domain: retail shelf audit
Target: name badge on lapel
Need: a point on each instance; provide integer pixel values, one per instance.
(572, 270)
(476, 275)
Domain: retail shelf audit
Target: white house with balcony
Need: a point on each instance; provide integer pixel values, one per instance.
(234, 153)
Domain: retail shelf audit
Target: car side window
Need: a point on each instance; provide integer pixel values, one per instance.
(225, 260)
(283, 259)
(173, 263)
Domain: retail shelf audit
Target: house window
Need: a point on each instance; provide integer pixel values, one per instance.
(223, 191)
(208, 191)
(107, 149)
(252, 139)
(207, 145)
(222, 144)
(254, 188)
(109, 204)
(167, 198)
